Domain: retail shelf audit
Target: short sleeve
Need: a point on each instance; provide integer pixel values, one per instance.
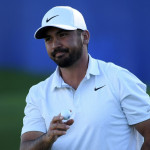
(135, 102)
(33, 120)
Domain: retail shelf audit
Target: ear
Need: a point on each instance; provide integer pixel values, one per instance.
(86, 37)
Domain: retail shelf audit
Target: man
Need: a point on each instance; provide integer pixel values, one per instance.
(110, 108)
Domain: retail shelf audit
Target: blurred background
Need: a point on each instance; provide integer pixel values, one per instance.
(120, 33)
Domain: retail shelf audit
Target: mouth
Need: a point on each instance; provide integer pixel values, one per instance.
(58, 53)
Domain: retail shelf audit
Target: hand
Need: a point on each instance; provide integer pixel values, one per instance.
(58, 128)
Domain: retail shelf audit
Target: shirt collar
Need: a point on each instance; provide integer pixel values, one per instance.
(56, 79)
(93, 69)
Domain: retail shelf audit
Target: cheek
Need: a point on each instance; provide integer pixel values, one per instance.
(48, 49)
(73, 43)
(78, 41)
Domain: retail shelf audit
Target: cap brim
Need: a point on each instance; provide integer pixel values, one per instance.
(41, 32)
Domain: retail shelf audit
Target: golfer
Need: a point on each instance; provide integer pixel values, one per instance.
(110, 109)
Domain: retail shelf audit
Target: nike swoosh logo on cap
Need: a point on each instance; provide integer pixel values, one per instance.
(51, 18)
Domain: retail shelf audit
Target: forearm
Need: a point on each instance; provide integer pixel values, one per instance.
(144, 129)
(40, 143)
(146, 145)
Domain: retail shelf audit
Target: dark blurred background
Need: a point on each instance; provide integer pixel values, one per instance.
(120, 33)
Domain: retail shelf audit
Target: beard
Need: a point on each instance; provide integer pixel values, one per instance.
(69, 57)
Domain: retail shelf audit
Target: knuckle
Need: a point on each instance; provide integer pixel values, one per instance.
(51, 126)
(57, 125)
(53, 133)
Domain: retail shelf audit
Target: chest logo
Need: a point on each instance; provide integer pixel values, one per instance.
(95, 89)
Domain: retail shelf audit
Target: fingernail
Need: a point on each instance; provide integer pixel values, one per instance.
(64, 132)
(67, 127)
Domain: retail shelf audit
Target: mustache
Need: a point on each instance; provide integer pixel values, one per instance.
(57, 50)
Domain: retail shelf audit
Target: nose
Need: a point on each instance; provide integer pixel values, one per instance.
(56, 43)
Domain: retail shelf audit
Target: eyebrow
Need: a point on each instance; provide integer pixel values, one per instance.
(62, 30)
(58, 32)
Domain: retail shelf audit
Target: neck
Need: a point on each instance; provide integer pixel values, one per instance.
(74, 74)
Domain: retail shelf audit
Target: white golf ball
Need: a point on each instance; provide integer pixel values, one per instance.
(66, 114)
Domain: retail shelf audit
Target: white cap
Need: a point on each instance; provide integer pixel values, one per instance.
(63, 17)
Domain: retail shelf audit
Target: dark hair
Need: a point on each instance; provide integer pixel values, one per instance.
(79, 31)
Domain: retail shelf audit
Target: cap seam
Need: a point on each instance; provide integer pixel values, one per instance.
(72, 11)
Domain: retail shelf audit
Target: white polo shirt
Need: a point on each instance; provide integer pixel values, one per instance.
(102, 117)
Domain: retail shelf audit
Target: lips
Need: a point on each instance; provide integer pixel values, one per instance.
(59, 52)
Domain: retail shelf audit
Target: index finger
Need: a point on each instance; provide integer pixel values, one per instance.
(57, 118)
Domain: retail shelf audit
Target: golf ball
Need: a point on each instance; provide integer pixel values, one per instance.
(66, 114)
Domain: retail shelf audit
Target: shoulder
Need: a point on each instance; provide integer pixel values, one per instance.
(112, 70)
(120, 78)
(109, 68)
(103, 67)
(38, 90)
(42, 84)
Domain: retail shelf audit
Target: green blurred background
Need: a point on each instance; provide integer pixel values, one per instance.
(14, 86)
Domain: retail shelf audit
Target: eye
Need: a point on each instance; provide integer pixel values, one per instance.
(48, 39)
(63, 34)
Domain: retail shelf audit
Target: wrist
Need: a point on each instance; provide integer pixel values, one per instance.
(48, 140)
